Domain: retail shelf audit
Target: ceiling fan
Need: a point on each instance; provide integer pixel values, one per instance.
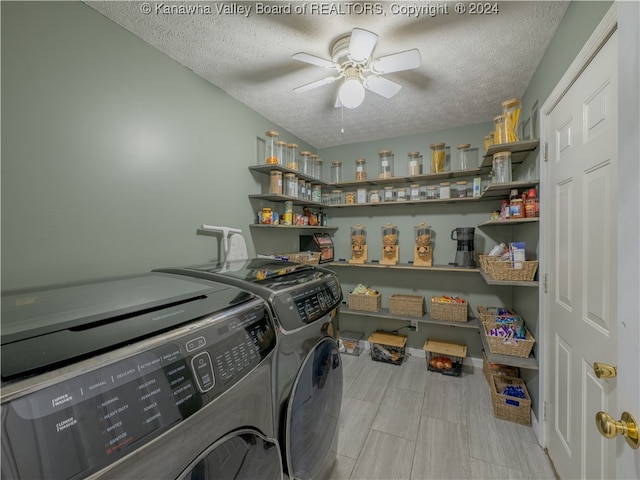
(351, 57)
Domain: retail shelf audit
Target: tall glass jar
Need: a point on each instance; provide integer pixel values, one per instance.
(275, 183)
(361, 172)
(498, 132)
(438, 157)
(414, 166)
(291, 184)
(502, 167)
(302, 189)
(317, 165)
(337, 197)
(307, 186)
(281, 151)
(389, 194)
(316, 193)
(511, 113)
(271, 156)
(374, 196)
(463, 156)
(305, 166)
(292, 156)
(336, 171)
(414, 192)
(401, 194)
(488, 141)
(386, 164)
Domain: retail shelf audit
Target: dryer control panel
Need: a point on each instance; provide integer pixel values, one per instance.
(88, 420)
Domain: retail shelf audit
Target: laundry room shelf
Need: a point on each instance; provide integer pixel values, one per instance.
(491, 281)
(408, 202)
(283, 198)
(509, 221)
(530, 363)
(266, 170)
(407, 266)
(384, 313)
(502, 190)
(295, 227)
(519, 151)
(410, 179)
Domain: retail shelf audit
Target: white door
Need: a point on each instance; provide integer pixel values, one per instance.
(582, 136)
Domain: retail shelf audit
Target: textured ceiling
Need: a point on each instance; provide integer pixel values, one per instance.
(470, 63)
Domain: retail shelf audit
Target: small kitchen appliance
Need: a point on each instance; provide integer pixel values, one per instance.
(390, 248)
(358, 244)
(464, 250)
(422, 252)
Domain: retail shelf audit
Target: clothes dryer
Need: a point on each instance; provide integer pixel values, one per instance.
(308, 369)
(147, 376)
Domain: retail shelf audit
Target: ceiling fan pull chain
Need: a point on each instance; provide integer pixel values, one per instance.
(342, 119)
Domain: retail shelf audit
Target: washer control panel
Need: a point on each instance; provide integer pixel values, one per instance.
(86, 422)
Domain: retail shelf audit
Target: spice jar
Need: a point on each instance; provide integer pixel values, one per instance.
(336, 171)
(292, 156)
(401, 194)
(432, 192)
(502, 167)
(291, 184)
(511, 113)
(350, 198)
(463, 156)
(414, 166)
(316, 193)
(488, 141)
(388, 194)
(361, 173)
(461, 186)
(498, 131)
(275, 182)
(305, 166)
(361, 195)
(414, 192)
(271, 156)
(445, 190)
(386, 164)
(438, 155)
(374, 196)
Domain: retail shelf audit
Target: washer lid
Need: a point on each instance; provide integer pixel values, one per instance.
(51, 325)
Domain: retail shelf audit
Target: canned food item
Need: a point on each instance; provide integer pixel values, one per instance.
(266, 217)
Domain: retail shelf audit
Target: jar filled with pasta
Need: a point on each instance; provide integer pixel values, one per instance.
(511, 113)
(438, 156)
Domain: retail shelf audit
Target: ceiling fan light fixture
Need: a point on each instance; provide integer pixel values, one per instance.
(351, 94)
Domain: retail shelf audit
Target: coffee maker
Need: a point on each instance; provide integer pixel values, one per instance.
(464, 251)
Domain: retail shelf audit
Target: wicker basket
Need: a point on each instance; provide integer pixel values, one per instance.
(491, 369)
(505, 407)
(367, 303)
(449, 312)
(488, 314)
(410, 305)
(306, 258)
(512, 346)
(503, 270)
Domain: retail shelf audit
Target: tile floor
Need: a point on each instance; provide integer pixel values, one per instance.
(404, 422)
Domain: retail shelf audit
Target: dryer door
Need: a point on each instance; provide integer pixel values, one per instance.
(243, 455)
(313, 412)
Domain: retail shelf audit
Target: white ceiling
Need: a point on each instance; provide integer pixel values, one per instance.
(470, 63)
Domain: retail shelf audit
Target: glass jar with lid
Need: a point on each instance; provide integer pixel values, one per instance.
(389, 194)
(445, 190)
(432, 192)
(498, 131)
(461, 188)
(350, 198)
(337, 197)
(374, 196)
(281, 151)
(271, 155)
(401, 194)
(302, 189)
(502, 167)
(275, 183)
(386, 164)
(463, 156)
(291, 184)
(361, 172)
(488, 141)
(361, 195)
(414, 166)
(316, 193)
(316, 162)
(326, 199)
(438, 157)
(292, 156)
(511, 113)
(336, 171)
(304, 162)
(307, 187)
(414, 192)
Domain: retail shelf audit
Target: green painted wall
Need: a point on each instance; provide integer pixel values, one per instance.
(112, 153)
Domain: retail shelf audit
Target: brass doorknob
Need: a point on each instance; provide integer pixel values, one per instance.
(627, 427)
(602, 370)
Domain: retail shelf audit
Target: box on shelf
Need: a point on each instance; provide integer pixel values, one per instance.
(367, 303)
(409, 305)
(509, 407)
(448, 311)
(351, 342)
(387, 347)
(490, 369)
(444, 357)
(510, 346)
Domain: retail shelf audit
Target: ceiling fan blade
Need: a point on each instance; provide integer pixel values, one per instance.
(396, 62)
(318, 83)
(382, 86)
(313, 60)
(361, 44)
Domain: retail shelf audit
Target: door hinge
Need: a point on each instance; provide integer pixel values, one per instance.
(546, 152)
(544, 283)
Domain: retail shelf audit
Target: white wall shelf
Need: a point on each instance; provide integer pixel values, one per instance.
(294, 227)
(406, 266)
(472, 322)
(530, 363)
(519, 151)
(509, 221)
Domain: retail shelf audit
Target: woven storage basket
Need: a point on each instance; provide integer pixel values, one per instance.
(491, 369)
(410, 305)
(488, 314)
(505, 407)
(450, 312)
(513, 346)
(485, 262)
(306, 258)
(367, 303)
(501, 270)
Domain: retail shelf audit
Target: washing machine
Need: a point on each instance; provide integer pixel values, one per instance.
(151, 376)
(308, 370)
